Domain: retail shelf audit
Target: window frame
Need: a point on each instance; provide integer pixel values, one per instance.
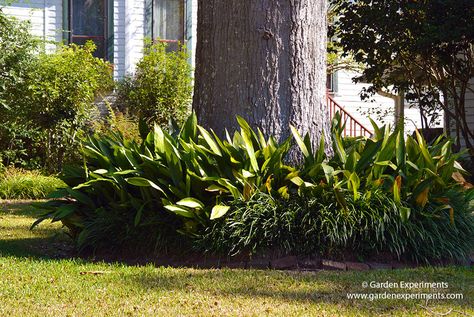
(332, 82)
(107, 37)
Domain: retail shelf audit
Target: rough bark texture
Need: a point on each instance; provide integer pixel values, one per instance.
(264, 60)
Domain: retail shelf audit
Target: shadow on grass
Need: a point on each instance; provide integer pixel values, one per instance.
(54, 247)
(329, 288)
(20, 207)
(324, 287)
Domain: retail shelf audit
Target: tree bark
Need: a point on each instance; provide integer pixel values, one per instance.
(264, 60)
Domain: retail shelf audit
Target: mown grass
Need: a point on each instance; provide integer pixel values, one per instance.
(38, 281)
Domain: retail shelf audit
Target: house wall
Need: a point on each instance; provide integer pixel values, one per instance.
(129, 35)
(348, 96)
(45, 17)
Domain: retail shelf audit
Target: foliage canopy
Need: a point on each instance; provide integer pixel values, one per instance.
(422, 48)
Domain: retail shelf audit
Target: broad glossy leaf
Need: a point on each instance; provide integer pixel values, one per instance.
(219, 211)
(299, 140)
(190, 203)
(328, 172)
(320, 153)
(189, 130)
(405, 213)
(250, 150)
(367, 157)
(100, 171)
(143, 182)
(180, 211)
(247, 174)
(64, 211)
(355, 184)
(397, 188)
(210, 141)
(401, 151)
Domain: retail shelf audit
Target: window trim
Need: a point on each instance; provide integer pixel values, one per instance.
(108, 36)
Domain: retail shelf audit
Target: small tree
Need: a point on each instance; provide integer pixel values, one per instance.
(17, 55)
(423, 48)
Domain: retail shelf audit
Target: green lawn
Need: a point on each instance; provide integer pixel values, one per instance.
(37, 281)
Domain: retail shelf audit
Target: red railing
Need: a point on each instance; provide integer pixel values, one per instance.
(353, 127)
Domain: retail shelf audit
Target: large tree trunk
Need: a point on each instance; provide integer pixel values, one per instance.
(264, 60)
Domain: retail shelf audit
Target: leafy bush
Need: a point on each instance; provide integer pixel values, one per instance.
(21, 184)
(413, 171)
(18, 55)
(187, 175)
(46, 121)
(238, 195)
(161, 88)
(17, 47)
(19, 144)
(63, 88)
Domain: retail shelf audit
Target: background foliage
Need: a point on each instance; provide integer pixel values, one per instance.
(47, 98)
(161, 88)
(422, 48)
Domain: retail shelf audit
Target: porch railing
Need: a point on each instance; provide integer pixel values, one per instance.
(353, 127)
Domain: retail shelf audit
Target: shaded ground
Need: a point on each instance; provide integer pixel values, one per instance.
(37, 281)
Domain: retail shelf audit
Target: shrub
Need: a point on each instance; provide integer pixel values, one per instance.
(63, 88)
(17, 58)
(238, 195)
(161, 88)
(18, 48)
(408, 168)
(19, 144)
(45, 123)
(186, 177)
(21, 184)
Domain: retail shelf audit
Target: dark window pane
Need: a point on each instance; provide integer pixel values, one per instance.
(88, 22)
(88, 17)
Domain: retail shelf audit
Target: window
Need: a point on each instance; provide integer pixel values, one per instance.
(169, 22)
(331, 82)
(88, 21)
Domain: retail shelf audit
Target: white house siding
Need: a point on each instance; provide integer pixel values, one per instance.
(45, 17)
(129, 35)
(348, 96)
(191, 29)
